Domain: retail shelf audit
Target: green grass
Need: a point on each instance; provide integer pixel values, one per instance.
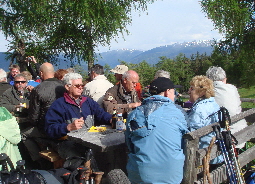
(247, 93)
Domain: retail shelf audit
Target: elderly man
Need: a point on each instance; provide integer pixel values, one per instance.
(98, 86)
(4, 85)
(42, 96)
(154, 137)
(226, 95)
(72, 112)
(14, 70)
(123, 96)
(16, 97)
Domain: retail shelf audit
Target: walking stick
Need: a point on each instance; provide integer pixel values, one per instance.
(229, 167)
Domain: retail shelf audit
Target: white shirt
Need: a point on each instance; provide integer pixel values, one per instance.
(226, 95)
(96, 88)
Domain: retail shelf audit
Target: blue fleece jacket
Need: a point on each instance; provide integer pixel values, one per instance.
(64, 111)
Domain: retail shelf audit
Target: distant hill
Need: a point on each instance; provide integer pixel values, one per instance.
(152, 56)
(114, 57)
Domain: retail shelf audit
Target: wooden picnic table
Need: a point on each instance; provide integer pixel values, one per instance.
(109, 147)
(99, 141)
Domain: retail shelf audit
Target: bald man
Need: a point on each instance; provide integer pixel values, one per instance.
(123, 96)
(42, 96)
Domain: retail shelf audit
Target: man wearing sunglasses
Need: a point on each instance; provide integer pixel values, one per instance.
(16, 98)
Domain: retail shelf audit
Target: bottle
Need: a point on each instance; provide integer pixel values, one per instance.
(180, 101)
(120, 123)
(114, 118)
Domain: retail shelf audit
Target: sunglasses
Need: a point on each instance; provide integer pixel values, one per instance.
(78, 85)
(17, 82)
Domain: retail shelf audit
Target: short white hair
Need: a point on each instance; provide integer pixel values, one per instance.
(67, 79)
(3, 75)
(162, 73)
(216, 73)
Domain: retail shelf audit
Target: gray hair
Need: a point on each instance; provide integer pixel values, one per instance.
(67, 79)
(3, 75)
(216, 73)
(20, 75)
(162, 73)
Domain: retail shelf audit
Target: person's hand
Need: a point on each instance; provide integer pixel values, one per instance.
(33, 59)
(134, 105)
(29, 88)
(76, 124)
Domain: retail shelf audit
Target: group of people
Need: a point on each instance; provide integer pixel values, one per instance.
(61, 103)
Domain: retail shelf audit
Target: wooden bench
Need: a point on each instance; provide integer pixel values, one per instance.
(53, 157)
(194, 156)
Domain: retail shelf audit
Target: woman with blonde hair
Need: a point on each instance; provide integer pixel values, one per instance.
(204, 110)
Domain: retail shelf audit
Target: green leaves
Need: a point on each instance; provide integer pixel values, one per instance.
(74, 27)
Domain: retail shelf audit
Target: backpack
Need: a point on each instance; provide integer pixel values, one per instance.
(72, 173)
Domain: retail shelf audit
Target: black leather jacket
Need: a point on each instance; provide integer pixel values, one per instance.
(41, 98)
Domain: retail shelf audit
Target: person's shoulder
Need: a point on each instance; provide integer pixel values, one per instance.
(112, 89)
(9, 90)
(58, 101)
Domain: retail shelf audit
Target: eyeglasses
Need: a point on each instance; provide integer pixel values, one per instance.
(17, 82)
(77, 85)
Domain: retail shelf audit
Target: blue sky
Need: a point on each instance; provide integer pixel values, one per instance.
(165, 22)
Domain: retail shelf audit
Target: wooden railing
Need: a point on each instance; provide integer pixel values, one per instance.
(194, 156)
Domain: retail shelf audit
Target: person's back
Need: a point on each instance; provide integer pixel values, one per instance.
(43, 96)
(226, 95)
(98, 86)
(154, 139)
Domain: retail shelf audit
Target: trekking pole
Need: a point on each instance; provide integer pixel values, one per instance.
(230, 145)
(229, 167)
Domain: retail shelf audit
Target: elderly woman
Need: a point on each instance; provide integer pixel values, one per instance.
(204, 109)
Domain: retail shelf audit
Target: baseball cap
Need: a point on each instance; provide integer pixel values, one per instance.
(120, 69)
(161, 84)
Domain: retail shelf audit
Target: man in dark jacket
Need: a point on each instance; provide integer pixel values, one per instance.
(70, 113)
(4, 85)
(16, 97)
(42, 96)
(123, 96)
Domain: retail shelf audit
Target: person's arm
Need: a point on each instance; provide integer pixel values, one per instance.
(33, 72)
(55, 124)
(110, 103)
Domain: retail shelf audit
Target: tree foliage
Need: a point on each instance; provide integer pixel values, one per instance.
(72, 27)
(236, 20)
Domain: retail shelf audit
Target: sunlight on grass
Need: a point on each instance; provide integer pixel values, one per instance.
(247, 93)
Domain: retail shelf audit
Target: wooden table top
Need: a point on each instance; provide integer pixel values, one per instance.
(100, 141)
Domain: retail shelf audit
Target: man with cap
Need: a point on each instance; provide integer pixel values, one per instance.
(118, 71)
(154, 137)
(122, 96)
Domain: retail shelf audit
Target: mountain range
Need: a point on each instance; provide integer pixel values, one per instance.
(151, 56)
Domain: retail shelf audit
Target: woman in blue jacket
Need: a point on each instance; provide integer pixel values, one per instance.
(204, 109)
